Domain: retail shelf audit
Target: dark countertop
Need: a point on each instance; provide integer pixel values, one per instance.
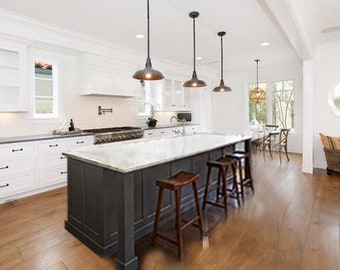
(40, 137)
(170, 126)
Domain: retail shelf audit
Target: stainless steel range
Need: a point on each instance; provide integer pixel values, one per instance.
(106, 135)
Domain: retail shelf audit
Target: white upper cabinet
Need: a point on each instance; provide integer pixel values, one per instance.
(12, 76)
(170, 95)
(101, 75)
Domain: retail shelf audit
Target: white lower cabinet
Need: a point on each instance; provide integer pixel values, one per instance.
(17, 168)
(31, 167)
(52, 163)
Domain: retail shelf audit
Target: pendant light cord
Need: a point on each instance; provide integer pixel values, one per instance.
(257, 73)
(221, 58)
(194, 35)
(148, 31)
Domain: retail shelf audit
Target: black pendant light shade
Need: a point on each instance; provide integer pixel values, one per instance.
(194, 82)
(222, 87)
(148, 73)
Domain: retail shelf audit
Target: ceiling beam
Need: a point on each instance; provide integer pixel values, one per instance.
(285, 16)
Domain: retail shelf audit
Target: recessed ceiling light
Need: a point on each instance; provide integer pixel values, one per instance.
(198, 57)
(265, 44)
(140, 36)
(330, 29)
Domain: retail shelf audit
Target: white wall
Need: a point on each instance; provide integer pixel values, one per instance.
(326, 73)
(230, 110)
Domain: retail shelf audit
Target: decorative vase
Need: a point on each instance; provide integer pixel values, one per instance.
(152, 122)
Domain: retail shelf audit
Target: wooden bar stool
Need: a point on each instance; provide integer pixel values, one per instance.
(246, 179)
(176, 183)
(222, 164)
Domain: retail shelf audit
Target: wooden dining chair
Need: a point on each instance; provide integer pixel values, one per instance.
(282, 142)
(267, 140)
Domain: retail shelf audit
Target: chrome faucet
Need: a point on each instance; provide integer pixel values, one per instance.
(181, 121)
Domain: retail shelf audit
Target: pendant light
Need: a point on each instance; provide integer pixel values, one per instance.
(257, 94)
(222, 87)
(148, 73)
(194, 82)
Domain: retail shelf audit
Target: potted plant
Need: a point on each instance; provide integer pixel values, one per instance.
(151, 122)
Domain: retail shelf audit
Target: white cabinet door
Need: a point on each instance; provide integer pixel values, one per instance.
(12, 77)
(191, 129)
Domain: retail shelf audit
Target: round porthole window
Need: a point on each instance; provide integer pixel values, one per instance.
(334, 97)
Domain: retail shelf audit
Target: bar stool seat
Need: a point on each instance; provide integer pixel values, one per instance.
(222, 164)
(246, 179)
(176, 183)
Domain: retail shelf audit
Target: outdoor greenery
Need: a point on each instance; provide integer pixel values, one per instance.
(279, 103)
(258, 111)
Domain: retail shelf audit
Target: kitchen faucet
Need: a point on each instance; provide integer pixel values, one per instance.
(183, 125)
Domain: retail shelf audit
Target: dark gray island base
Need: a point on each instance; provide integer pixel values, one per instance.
(108, 210)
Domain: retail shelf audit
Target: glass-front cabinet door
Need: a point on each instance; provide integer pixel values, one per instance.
(12, 78)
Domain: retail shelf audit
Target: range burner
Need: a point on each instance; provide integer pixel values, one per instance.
(113, 134)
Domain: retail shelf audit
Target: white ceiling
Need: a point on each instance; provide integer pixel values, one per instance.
(248, 23)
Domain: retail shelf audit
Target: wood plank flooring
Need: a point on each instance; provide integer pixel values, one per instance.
(292, 221)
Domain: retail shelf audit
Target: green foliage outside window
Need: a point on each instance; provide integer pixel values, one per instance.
(282, 104)
(258, 111)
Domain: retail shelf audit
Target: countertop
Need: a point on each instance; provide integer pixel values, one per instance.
(52, 136)
(40, 137)
(127, 156)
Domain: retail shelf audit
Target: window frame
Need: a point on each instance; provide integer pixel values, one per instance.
(55, 90)
(269, 97)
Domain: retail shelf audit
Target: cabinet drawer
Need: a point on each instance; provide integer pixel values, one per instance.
(52, 176)
(54, 160)
(11, 166)
(80, 142)
(52, 147)
(16, 150)
(20, 182)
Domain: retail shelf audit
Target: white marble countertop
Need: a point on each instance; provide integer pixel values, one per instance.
(127, 156)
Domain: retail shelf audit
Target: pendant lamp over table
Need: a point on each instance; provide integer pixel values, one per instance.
(257, 94)
(222, 88)
(148, 73)
(194, 82)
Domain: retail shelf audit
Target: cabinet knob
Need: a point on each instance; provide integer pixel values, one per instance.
(80, 142)
(6, 185)
(2, 168)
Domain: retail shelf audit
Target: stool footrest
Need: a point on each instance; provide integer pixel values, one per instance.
(190, 222)
(167, 239)
(161, 218)
(214, 203)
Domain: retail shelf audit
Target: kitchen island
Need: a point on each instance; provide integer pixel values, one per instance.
(112, 193)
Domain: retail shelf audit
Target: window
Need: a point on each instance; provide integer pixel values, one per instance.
(278, 108)
(258, 111)
(45, 89)
(142, 100)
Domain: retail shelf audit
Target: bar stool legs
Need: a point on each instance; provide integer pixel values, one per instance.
(246, 179)
(175, 183)
(222, 164)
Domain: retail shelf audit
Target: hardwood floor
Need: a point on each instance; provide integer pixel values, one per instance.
(292, 221)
